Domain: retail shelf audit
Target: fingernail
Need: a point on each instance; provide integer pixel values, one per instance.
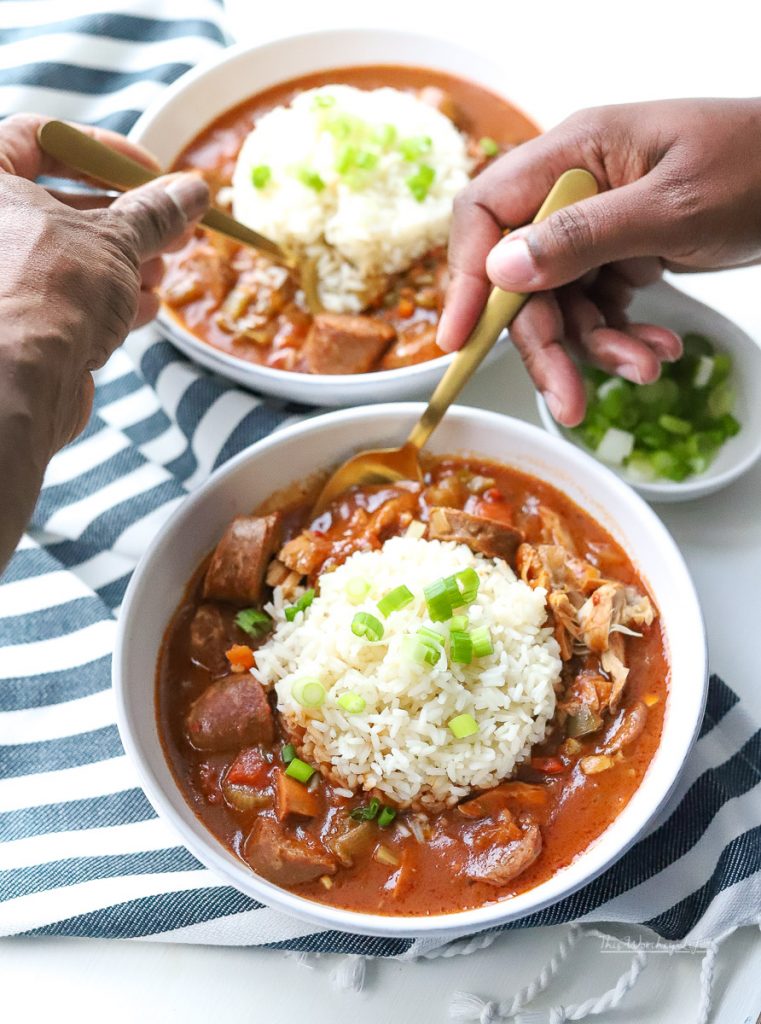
(441, 333)
(510, 264)
(190, 194)
(631, 372)
(553, 404)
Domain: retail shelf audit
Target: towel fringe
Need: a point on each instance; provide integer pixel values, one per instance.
(349, 974)
(467, 1007)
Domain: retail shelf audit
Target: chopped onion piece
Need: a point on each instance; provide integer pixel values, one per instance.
(616, 445)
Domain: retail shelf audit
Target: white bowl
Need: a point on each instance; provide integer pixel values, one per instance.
(292, 454)
(663, 304)
(211, 88)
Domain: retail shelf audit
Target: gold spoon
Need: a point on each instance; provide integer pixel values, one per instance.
(387, 465)
(86, 155)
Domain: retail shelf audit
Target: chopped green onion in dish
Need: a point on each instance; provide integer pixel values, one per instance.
(670, 429)
(463, 726)
(488, 146)
(367, 626)
(460, 647)
(386, 816)
(419, 650)
(357, 590)
(481, 640)
(467, 582)
(427, 634)
(288, 753)
(323, 100)
(300, 770)
(412, 149)
(308, 692)
(420, 182)
(367, 812)
(458, 622)
(311, 179)
(385, 136)
(292, 610)
(443, 596)
(261, 176)
(252, 621)
(352, 703)
(395, 599)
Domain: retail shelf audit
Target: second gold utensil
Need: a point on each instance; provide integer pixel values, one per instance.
(386, 465)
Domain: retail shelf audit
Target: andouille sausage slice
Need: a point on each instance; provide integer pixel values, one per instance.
(238, 566)
(486, 536)
(342, 343)
(232, 712)
(283, 858)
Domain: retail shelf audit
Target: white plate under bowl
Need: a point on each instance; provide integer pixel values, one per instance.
(211, 88)
(663, 304)
(294, 453)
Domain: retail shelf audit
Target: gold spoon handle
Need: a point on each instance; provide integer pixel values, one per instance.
(500, 310)
(86, 155)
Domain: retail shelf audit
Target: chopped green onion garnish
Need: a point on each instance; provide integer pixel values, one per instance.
(395, 599)
(615, 446)
(427, 634)
(288, 753)
(675, 425)
(458, 622)
(252, 621)
(352, 703)
(366, 625)
(386, 816)
(301, 605)
(439, 597)
(311, 179)
(463, 726)
(460, 647)
(322, 101)
(419, 650)
(260, 176)
(488, 146)
(308, 692)
(367, 811)
(357, 590)
(412, 149)
(300, 770)
(468, 583)
(420, 182)
(481, 640)
(385, 136)
(720, 401)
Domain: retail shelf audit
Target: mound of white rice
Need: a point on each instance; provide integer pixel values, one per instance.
(359, 222)
(400, 745)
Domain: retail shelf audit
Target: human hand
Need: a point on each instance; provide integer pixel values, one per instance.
(75, 279)
(680, 185)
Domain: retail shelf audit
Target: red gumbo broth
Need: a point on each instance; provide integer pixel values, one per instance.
(230, 748)
(238, 301)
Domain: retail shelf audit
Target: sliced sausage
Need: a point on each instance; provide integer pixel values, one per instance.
(340, 343)
(212, 632)
(233, 712)
(504, 860)
(239, 563)
(283, 858)
(485, 536)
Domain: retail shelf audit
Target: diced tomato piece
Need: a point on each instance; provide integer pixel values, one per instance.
(494, 507)
(250, 768)
(241, 657)
(548, 765)
(405, 308)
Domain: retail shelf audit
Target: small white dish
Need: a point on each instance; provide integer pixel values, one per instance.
(294, 453)
(213, 87)
(663, 304)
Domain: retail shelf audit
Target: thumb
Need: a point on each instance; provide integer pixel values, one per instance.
(159, 212)
(618, 224)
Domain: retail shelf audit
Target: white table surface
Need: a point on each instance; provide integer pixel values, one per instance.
(589, 54)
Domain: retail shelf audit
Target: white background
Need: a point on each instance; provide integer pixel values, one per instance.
(559, 57)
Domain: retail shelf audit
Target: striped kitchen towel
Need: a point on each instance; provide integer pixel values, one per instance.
(81, 850)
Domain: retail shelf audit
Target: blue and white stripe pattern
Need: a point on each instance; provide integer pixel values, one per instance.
(81, 851)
